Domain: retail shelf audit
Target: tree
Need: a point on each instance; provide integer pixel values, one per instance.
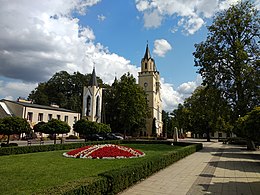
(85, 127)
(62, 89)
(203, 112)
(54, 127)
(14, 125)
(229, 58)
(127, 106)
(248, 127)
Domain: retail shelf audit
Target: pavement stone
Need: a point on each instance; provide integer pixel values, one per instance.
(216, 169)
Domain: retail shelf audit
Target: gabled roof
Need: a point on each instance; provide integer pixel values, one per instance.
(38, 106)
(93, 79)
(4, 111)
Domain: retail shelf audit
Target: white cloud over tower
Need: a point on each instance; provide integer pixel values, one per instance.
(39, 38)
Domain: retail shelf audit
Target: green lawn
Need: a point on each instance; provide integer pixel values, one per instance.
(28, 173)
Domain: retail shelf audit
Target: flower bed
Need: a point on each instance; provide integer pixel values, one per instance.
(105, 151)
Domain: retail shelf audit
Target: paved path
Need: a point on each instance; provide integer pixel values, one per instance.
(216, 169)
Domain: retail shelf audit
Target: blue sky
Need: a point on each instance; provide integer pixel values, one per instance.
(124, 33)
(39, 38)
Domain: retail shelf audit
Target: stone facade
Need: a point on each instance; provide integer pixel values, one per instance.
(149, 80)
(92, 100)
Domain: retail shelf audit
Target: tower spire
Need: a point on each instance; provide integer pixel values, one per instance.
(93, 79)
(147, 54)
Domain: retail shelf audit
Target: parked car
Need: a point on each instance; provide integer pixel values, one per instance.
(113, 136)
(95, 137)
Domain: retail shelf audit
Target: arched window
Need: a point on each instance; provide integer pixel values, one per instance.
(88, 106)
(158, 113)
(145, 65)
(97, 106)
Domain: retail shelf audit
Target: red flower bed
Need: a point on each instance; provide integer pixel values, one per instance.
(104, 151)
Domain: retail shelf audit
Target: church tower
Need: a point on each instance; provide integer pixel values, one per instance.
(149, 79)
(92, 100)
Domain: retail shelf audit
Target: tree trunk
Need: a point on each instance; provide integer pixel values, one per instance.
(54, 138)
(8, 139)
(250, 145)
(208, 134)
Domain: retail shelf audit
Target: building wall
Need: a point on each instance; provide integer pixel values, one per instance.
(31, 114)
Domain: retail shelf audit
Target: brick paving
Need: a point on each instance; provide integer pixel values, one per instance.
(216, 169)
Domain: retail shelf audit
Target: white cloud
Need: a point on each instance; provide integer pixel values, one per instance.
(152, 19)
(192, 12)
(161, 47)
(101, 17)
(171, 97)
(13, 89)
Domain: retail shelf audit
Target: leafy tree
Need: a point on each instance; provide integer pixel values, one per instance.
(203, 112)
(85, 127)
(248, 127)
(127, 106)
(229, 58)
(54, 127)
(38, 126)
(14, 125)
(62, 89)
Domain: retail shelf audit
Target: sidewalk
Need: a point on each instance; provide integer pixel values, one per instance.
(216, 169)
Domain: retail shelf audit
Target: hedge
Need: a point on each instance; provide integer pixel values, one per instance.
(122, 178)
(89, 186)
(114, 181)
(50, 147)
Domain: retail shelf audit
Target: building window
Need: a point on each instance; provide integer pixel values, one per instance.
(212, 134)
(75, 119)
(97, 106)
(30, 116)
(40, 117)
(66, 119)
(219, 134)
(145, 65)
(58, 117)
(49, 117)
(88, 106)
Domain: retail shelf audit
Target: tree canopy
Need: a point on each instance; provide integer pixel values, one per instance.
(249, 125)
(126, 105)
(63, 89)
(14, 125)
(229, 58)
(53, 127)
(85, 127)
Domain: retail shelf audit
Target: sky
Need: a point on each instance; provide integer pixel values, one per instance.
(39, 38)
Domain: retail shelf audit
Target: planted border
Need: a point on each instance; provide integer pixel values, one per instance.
(114, 181)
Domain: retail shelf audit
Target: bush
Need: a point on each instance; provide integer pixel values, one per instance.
(122, 178)
(72, 137)
(9, 145)
(237, 141)
(51, 147)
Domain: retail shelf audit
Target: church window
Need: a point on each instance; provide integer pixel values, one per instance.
(145, 65)
(88, 105)
(97, 106)
(158, 113)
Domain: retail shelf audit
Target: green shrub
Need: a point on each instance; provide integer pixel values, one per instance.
(88, 186)
(122, 178)
(51, 147)
(9, 145)
(72, 137)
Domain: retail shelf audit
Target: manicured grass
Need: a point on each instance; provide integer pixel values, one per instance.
(29, 173)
